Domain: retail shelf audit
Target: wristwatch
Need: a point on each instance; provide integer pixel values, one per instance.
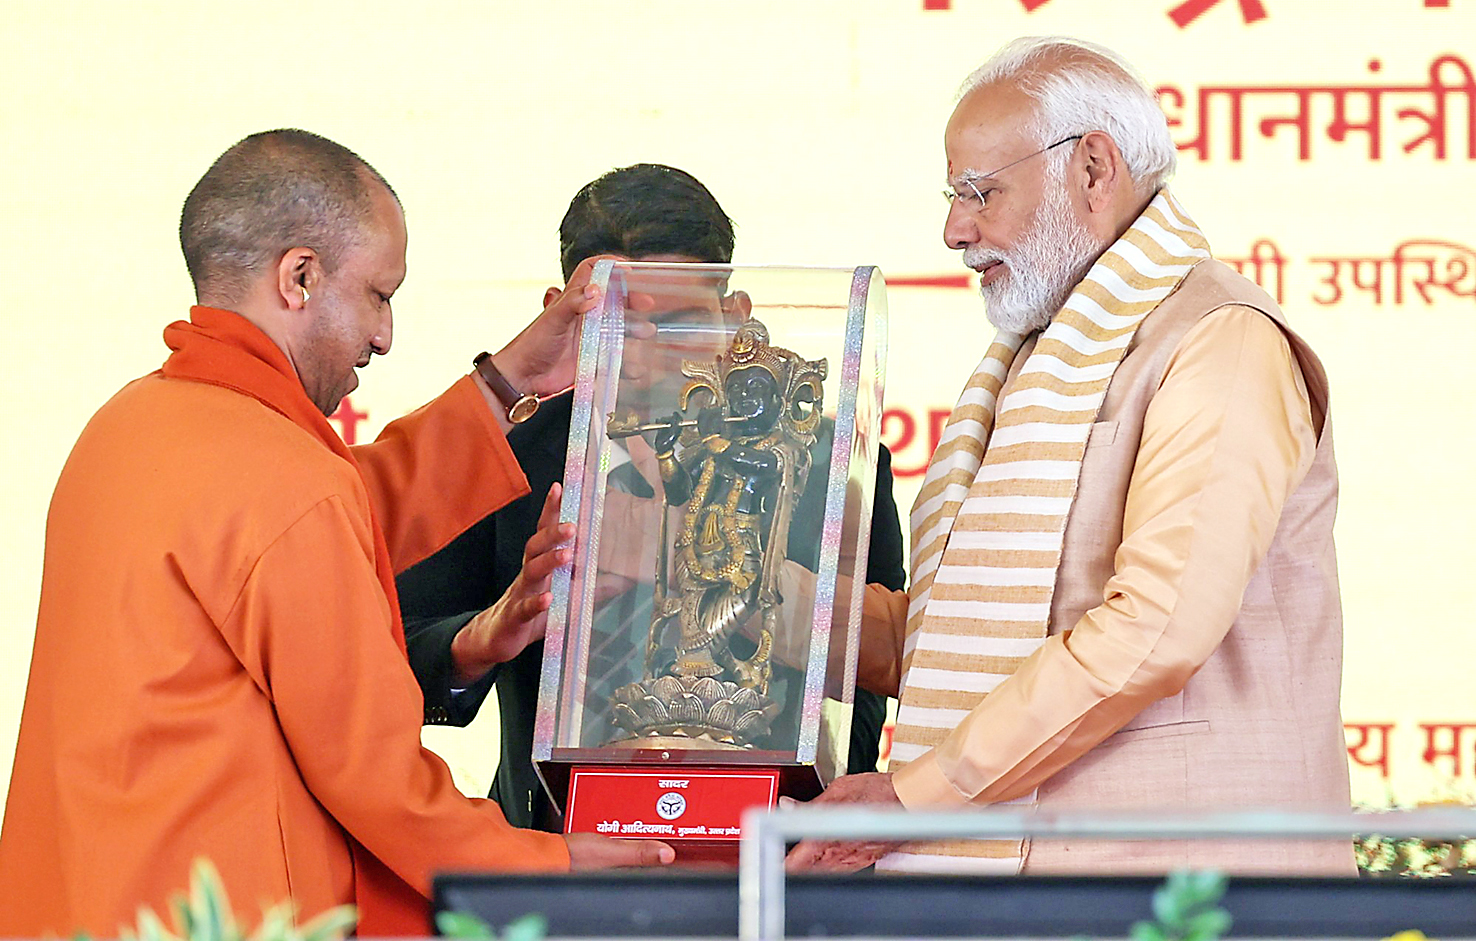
(520, 405)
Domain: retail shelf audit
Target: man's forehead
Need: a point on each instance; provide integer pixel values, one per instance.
(989, 128)
(386, 220)
(969, 168)
(985, 161)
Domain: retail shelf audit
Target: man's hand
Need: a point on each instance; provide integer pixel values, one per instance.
(834, 856)
(883, 626)
(541, 359)
(593, 851)
(520, 616)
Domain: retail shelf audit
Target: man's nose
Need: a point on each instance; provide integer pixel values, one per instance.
(959, 229)
(380, 342)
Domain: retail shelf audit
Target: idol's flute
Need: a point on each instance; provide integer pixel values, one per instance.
(622, 426)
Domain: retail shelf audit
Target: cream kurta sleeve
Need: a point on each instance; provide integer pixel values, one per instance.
(1226, 439)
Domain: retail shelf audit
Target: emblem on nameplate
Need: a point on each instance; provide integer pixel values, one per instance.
(671, 805)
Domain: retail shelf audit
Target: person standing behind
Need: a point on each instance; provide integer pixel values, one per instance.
(645, 212)
(219, 668)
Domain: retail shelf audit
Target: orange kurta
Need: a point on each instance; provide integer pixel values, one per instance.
(217, 670)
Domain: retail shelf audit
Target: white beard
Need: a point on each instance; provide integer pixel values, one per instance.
(1042, 269)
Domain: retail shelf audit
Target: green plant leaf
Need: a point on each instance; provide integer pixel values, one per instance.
(1146, 931)
(463, 925)
(184, 922)
(528, 928)
(151, 927)
(1209, 886)
(1185, 908)
(1168, 907)
(332, 925)
(206, 915)
(209, 908)
(276, 923)
(1208, 925)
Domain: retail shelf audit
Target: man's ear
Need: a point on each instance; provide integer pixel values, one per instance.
(1101, 170)
(737, 307)
(551, 295)
(299, 274)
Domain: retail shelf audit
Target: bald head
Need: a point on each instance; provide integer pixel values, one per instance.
(271, 192)
(1074, 87)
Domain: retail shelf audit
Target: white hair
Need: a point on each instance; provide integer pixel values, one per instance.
(1098, 91)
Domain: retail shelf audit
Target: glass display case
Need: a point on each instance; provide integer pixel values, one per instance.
(701, 646)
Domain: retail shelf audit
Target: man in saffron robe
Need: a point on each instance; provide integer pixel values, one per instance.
(219, 666)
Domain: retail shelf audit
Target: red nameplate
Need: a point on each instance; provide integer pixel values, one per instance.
(666, 805)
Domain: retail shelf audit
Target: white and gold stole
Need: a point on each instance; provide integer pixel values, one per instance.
(988, 524)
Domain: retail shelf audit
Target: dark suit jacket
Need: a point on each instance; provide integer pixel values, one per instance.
(440, 594)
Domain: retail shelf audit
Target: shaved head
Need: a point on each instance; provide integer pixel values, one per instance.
(271, 192)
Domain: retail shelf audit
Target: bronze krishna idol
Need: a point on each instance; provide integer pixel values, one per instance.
(737, 468)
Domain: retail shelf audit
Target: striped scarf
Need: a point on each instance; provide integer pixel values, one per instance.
(988, 523)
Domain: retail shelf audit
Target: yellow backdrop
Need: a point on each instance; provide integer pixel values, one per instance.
(1329, 145)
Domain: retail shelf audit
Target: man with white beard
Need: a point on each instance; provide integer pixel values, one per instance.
(1047, 261)
(1123, 592)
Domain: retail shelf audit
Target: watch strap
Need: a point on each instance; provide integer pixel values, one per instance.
(520, 405)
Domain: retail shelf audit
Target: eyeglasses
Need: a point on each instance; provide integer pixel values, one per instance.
(973, 199)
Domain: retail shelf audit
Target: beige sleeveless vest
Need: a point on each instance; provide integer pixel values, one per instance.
(1259, 724)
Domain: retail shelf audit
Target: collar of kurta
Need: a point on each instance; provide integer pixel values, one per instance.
(223, 348)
